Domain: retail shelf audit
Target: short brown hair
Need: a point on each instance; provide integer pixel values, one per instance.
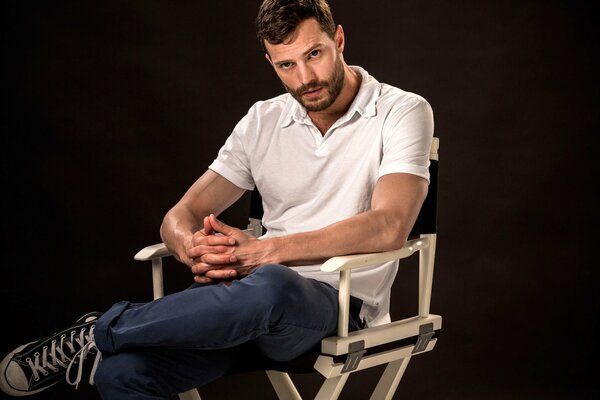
(277, 19)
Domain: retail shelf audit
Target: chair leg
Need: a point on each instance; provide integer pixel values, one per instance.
(332, 387)
(190, 395)
(283, 385)
(386, 387)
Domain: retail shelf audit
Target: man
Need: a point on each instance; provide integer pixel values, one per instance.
(341, 161)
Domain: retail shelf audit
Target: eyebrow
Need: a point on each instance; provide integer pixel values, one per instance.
(314, 47)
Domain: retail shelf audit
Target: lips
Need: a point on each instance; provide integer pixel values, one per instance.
(312, 92)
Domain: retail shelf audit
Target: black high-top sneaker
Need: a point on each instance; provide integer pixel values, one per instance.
(36, 366)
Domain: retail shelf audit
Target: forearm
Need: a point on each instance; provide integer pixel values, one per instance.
(396, 202)
(372, 231)
(368, 232)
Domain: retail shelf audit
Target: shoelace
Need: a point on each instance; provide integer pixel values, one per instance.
(87, 343)
(55, 356)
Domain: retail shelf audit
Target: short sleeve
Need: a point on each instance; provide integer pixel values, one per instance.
(232, 161)
(407, 136)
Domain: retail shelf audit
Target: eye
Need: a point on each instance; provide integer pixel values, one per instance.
(285, 65)
(315, 53)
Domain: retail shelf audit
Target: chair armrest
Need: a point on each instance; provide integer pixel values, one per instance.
(342, 263)
(152, 252)
(345, 264)
(155, 253)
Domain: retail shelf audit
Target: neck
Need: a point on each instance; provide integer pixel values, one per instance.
(326, 118)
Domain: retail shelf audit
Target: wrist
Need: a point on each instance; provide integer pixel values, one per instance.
(273, 253)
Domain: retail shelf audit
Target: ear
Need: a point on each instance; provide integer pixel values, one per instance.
(339, 38)
(268, 57)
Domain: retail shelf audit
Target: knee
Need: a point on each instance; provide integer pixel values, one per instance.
(275, 272)
(278, 282)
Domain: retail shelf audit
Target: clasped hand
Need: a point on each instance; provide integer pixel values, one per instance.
(221, 252)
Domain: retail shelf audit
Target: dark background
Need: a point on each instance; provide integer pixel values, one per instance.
(112, 109)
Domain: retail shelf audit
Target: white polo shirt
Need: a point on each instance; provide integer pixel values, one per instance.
(308, 180)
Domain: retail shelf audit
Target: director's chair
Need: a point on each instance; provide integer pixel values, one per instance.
(339, 356)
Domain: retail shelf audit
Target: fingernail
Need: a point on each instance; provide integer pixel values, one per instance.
(231, 241)
(233, 259)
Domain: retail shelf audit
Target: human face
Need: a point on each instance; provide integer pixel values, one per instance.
(310, 65)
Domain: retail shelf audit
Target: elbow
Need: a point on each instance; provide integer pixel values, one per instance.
(396, 241)
(168, 224)
(395, 234)
(163, 229)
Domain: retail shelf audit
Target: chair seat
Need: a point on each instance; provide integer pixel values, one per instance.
(253, 360)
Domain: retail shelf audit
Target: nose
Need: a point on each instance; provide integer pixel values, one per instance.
(305, 74)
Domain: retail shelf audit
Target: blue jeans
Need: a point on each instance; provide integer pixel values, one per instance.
(187, 339)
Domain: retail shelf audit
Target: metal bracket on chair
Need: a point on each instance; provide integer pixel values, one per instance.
(255, 226)
(355, 354)
(425, 334)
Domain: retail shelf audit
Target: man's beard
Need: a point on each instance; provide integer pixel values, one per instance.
(333, 86)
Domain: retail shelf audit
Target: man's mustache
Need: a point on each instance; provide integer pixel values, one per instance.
(310, 86)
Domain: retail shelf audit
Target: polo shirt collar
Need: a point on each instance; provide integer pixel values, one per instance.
(365, 102)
